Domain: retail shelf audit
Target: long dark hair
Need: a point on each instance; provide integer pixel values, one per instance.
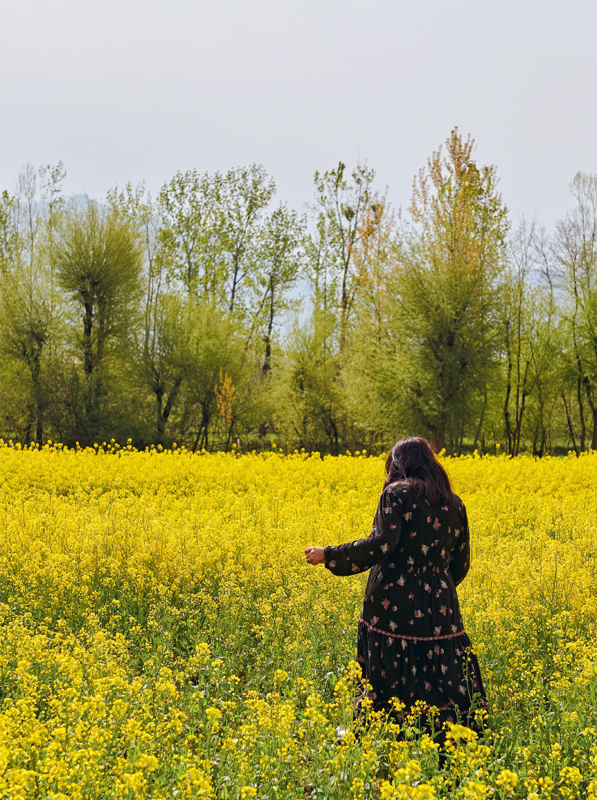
(412, 461)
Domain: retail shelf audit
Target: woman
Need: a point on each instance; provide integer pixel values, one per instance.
(411, 641)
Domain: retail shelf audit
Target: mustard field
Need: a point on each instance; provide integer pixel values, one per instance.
(162, 637)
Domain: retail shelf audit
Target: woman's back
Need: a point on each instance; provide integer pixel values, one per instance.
(411, 641)
(431, 536)
(418, 553)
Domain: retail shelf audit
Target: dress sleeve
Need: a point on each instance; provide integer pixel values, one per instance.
(358, 556)
(461, 554)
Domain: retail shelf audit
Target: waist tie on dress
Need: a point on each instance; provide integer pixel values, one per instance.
(411, 638)
(427, 568)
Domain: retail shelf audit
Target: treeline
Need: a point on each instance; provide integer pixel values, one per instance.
(212, 315)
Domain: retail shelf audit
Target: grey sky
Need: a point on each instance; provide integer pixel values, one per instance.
(137, 89)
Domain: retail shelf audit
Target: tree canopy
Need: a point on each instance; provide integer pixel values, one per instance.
(215, 315)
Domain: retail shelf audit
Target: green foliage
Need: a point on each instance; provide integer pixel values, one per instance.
(172, 319)
(445, 285)
(8, 234)
(215, 351)
(309, 389)
(575, 252)
(351, 224)
(211, 233)
(98, 264)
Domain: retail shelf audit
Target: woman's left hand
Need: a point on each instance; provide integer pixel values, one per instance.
(315, 555)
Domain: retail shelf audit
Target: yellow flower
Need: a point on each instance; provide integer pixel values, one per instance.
(145, 649)
(508, 780)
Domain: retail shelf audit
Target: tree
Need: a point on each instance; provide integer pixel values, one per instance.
(531, 340)
(575, 250)
(310, 409)
(278, 270)
(247, 192)
(444, 285)
(190, 234)
(9, 243)
(98, 261)
(156, 353)
(29, 318)
(515, 325)
(25, 323)
(348, 215)
(159, 358)
(215, 357)
(543, 344)
(211, 228)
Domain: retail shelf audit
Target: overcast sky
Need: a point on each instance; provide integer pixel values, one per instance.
(135, 90)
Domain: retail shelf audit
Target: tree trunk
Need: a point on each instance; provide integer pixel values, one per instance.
(344, 308)
(507, 422)
(30, 424)
(438, 439)
(541, 431)
(160, 423)
(88, 359)
(202, 433)
(520, 415)
(196, 442)
(570, 426)
(162, 416)
(235, 272)
(335, 432)
(593, 406)
(589, 393)
(101, 344)
(229, 435)
(37, 393)
(520, 411)
(267, 365)
(581, 408)
(172, 397)
(461, 439)
(87, 344)
(480, 427)
(206, 418)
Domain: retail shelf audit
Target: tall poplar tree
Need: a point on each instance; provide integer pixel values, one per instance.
(349, 214)
(447, 278)
(575, 248)
(29, 305)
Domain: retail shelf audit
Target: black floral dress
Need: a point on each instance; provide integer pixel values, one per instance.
(411, 640)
